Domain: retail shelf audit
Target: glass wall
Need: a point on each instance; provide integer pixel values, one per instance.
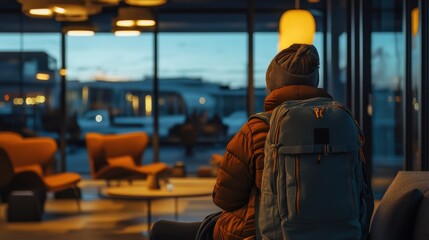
(29, 80)
(388, 76)
(416, 78)
(108, 84)
(207, 75)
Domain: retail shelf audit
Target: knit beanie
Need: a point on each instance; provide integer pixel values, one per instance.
(295, 65)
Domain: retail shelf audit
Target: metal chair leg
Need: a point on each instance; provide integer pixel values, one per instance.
(76, 194)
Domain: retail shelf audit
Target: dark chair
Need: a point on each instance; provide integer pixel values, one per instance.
(403, 212)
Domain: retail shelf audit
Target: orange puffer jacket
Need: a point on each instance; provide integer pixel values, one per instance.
(241, 169)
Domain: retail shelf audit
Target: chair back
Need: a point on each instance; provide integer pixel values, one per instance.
(28, 151)
(100, 147)
(6, 170)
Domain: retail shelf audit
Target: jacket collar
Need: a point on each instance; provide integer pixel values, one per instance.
(293, 92)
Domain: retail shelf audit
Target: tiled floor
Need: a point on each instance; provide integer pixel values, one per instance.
(101, 218)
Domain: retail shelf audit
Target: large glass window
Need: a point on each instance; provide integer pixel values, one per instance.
(416, 78)
(388, 61)
(108, 84)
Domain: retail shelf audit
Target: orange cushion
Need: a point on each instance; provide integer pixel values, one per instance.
(122, 161)
(152, 168)
(61, 180)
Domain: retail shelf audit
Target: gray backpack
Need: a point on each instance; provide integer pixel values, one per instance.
(314, 185)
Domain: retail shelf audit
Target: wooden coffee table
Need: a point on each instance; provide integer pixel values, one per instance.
(182, 188)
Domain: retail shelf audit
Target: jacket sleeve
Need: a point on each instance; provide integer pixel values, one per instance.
(234, 180)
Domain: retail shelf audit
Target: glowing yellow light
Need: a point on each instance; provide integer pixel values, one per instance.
(145, 23)
(125, 23)
(63, 71)
(40, 99)
(59, 10)
(85, 95)
(129, 97)
(98, 118)
(18, 101)
(81, 33)
(43, 76)
(135, 103)
(415, 21)
(40, 12)
(148, 104)
(29, 101)
(296, 26)
(146, 2)
(127, 33)
(202, 100)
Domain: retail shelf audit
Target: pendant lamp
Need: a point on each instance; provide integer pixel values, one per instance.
(125, 31)
(36, 8)
(415, 21)
(84, 29)
(296, 26)
(103, 2)
(146, 3)
(134, 17)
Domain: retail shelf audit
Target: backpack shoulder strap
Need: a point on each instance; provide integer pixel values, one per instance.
(264, 116)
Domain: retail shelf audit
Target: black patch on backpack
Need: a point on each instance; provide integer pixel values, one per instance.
(321, 135)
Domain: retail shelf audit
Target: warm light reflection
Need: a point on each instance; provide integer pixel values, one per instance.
(127, 33)
(6, 97)
(85, 95)
(125, 23)
(40, 12)
(129, 97)
(146, 2)
(59, 10)
(63, 71)
(30, 101)
(40, 99)
(145, 23)
(43, 76)
(18, 101)
(135, 103)
(415, 21)
(81, 33)
(148, 104)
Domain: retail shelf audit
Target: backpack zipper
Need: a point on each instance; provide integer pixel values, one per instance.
(298, 186)
(275, 145)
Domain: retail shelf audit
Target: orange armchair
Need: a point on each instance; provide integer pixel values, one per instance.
(29, 158)
(119, 156)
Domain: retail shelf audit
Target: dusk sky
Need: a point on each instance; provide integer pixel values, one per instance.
(214, 57)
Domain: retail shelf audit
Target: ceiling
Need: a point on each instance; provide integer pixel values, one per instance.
(174, 16)
(187, 15)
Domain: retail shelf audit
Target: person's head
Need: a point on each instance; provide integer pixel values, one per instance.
(295, 65)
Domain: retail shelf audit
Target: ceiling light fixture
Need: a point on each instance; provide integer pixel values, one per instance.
(125, 31)
(133, 16)
(146, 3)
(79, 30)
(36, 8)
(296, 26)
(103, 2)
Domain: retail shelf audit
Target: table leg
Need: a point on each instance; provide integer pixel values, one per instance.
(176, 206)
(149, 214)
